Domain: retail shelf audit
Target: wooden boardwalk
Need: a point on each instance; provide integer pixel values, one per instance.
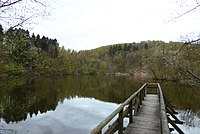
(147, 110)
(147, 120)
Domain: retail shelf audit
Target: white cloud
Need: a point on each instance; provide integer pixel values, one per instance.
(89, 24)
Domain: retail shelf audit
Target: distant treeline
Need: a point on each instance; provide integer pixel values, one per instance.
(148, 59)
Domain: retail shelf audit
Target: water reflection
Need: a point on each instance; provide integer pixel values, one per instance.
(192, 122)
(78, 104)
(190, 118)
(186, 99)
(74, 116)
(19, 100)
(30, 96)
(183, 96)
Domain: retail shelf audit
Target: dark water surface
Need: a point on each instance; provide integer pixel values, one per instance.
(75, 104)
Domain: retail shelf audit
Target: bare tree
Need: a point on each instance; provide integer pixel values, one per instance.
(184, 8)
(14, 13)
(187, 55)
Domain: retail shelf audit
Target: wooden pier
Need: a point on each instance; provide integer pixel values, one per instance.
(148, 119)
(148, 111)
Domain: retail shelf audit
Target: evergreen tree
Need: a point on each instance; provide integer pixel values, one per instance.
(146, 46)
(1, 34)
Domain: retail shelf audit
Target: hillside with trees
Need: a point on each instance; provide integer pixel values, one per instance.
(22, 54)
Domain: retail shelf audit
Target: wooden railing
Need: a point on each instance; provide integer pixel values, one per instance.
(163, 116)
(124, 110)
(171, 113)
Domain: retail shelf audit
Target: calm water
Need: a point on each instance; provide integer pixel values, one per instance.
(75, 105)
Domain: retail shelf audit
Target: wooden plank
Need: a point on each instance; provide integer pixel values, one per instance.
(147, 120)
(142, 125)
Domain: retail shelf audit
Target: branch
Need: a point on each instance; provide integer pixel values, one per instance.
(186, 43)
(24, 20)
(152, 71)
(6, 4)
(188, 11)
(190, 42)
(18, 12)
(40, 3)
(193, 75)
(10, 71)
(11, 80)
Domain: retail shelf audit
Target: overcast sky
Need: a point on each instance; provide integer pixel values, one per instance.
(88, 24)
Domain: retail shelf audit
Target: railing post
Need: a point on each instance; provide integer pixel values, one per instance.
(120, 122)
(131, 111)
(143, 93)
(145, 90)
(136, 105)
(140, 97)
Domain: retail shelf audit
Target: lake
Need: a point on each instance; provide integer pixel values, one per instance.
(76, 104)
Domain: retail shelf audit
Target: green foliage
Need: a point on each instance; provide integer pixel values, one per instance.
(19, 41)
(155, 59)
(30, 52)
(13, 69)
(1, 34)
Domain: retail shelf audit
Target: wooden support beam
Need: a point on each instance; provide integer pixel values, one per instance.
(112, 128)
(169, 103)
(175, 126)
(175, 118)
(171, 129)
(165, 98)
(171, 108)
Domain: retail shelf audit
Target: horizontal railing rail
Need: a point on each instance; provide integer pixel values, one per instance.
(163, 116)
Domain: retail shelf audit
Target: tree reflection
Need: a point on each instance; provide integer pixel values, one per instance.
(19, 100)
(186, 99)
(183, 96)
(31, 95)
(7, 131)
(191, 119)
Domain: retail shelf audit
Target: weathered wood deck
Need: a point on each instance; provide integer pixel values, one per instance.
(147, 120)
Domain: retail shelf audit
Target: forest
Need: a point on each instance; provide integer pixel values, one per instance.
(25, 54)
